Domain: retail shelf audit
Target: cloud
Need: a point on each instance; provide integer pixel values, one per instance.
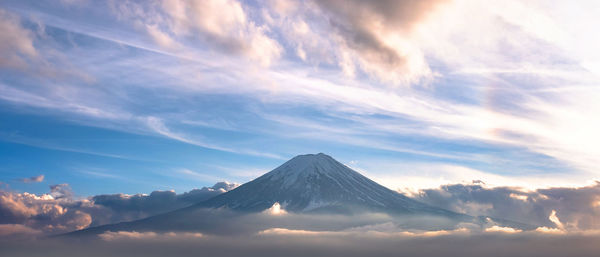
(276, 209)
(502, 229)
(225, 26)
(131, 207)
(302, 234)
(34, 179)
(17, 231)
(577, 207)
(556, 220)
(548, 230)
(158, 126)
(388, 230)
(25, 51)
(59, 212)
(359, 37)
(493, 119)
(133, 235)
(61, 191)
(284, 231)
(221, 187)
(160, 37)
(109, 236)
(17, 42)
(375, 40)
(43, 213)
(410, 177)
(490, 244)
(377, 36)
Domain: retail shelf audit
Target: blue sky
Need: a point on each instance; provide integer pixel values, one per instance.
(135, 96)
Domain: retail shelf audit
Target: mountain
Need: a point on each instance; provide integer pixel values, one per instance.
(306, 184)
(318, 183)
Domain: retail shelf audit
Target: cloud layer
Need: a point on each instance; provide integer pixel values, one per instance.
(552, 210)
(315, 243)
(573, 209)
(59, 211)
(563, 216)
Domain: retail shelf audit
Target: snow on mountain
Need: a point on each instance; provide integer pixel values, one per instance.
(318, 183)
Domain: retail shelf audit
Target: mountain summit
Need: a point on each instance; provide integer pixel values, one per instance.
(318, 183)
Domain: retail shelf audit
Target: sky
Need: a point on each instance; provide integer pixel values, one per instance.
(135, 96)
(119, 110)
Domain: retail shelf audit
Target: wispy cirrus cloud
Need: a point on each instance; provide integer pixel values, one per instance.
(489, 80)
(159, 127)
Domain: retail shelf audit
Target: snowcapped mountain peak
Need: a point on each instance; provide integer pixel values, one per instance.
(316, 182)
(301, 167)
(305, 159)
(308, 158)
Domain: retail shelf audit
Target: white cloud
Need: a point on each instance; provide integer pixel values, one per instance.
(17, 42)
(503, 229)
(119, 235)
(225, 25)
(547, 230)
(285, 231)
(149, 235)
(519, 196)
(364, 232)
(276, 209)
(158, 126)
(160, 37)
(556, 220)
(50, 100)
(366, 37)
(34, 179)
(50, 213)
(29, 215)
